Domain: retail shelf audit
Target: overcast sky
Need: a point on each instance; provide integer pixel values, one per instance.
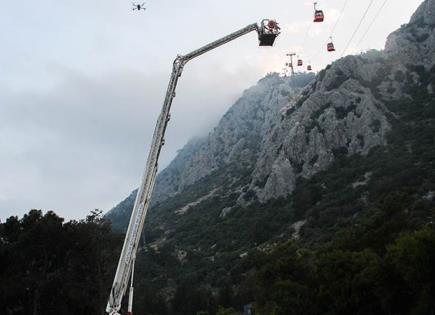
(82, 83)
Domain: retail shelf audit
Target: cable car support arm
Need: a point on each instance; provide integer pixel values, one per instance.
(266, 35)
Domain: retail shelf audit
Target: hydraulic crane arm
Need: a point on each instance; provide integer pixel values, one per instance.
(220, 42)
(267, 32)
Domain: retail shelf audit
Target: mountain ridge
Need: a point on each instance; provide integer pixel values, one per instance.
(237, 137)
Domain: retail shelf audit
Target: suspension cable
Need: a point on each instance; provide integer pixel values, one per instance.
(358, 27)
(372, 22)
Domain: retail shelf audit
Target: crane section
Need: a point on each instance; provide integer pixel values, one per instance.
(267, 31)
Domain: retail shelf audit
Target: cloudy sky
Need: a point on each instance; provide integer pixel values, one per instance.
(82, 83)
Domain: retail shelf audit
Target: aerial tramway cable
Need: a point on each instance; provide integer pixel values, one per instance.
(372, 22)
(358, 27)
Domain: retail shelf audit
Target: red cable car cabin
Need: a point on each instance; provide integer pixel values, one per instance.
(319, 16)
(331, 47)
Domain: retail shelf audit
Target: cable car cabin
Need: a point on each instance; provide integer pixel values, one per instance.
(319, 16)
(309, 68)
(300, 63)
(331, 47)
(269, 30)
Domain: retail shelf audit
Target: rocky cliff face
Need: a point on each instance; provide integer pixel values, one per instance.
(236, 139)
(338, 114)
(413, 43)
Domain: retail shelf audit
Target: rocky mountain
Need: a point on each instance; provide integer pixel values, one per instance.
(337, 114)
(237, 139)
(346, 160)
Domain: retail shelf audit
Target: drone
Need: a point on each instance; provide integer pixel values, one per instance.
(138, 6)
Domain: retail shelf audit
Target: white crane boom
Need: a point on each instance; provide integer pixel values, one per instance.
(267, 32)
